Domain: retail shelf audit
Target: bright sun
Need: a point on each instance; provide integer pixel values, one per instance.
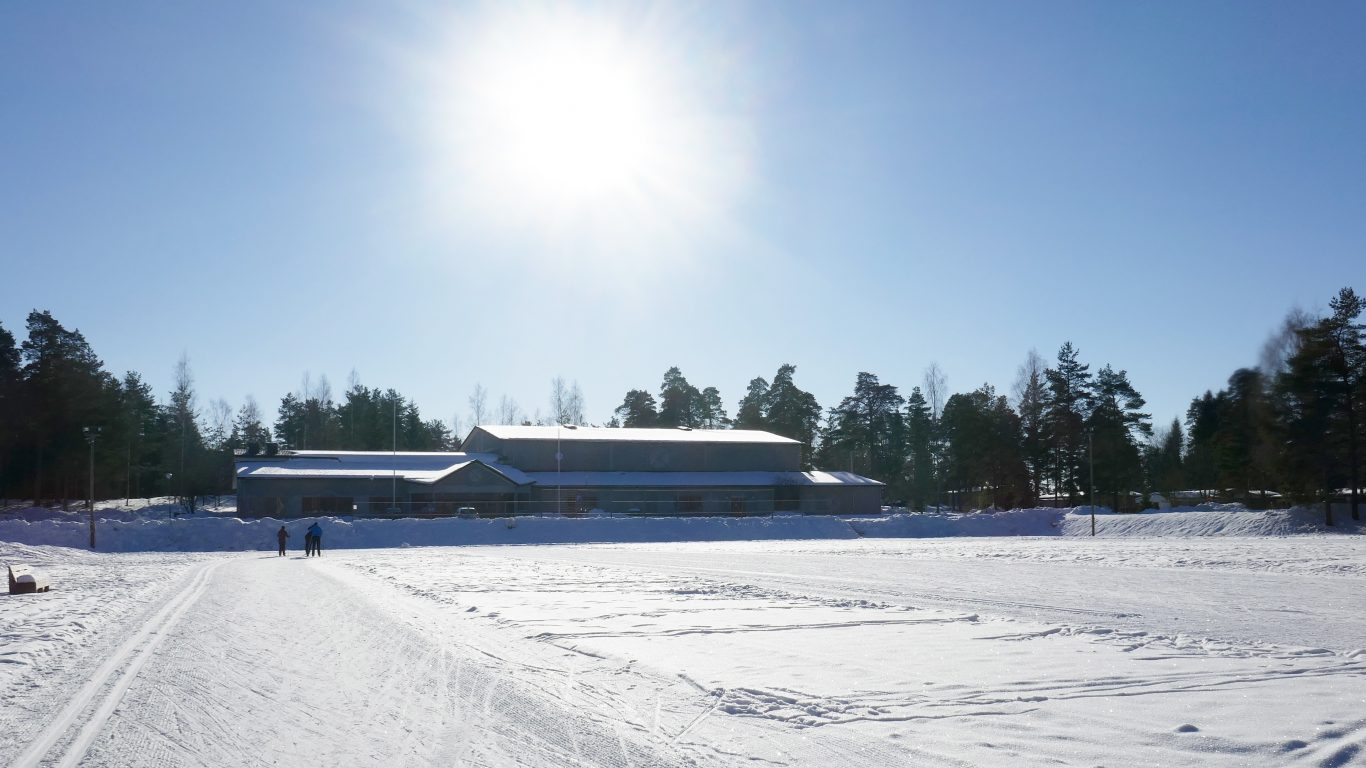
(567, 120)
(570, 117)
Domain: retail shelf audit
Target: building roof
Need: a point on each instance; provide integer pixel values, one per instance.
(425, 467)
(695, 479)
(638, 434)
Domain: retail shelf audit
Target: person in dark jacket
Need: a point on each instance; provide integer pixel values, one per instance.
(315, 531)
(282, 535)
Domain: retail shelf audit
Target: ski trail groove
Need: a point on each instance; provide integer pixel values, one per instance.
(129, 657)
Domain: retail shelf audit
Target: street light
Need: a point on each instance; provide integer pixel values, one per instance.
(1091, 449)
(91, 435)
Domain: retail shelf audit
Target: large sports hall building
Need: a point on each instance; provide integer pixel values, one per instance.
(507, 470)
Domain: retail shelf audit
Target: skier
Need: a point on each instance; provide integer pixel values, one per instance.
(282, 535)
(315, 532)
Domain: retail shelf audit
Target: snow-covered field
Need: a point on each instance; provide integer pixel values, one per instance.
(1060, 650)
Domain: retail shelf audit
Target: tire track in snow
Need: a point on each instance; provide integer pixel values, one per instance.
(117, 674)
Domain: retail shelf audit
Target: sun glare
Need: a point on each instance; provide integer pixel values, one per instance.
(563, 120)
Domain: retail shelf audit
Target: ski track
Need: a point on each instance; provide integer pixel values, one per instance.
(281, 663)
(77, 727)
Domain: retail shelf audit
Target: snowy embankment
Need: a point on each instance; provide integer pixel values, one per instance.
(126, 531)
(1204, 520)
(209, 534)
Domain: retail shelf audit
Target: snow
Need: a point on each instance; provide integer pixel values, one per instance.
(633, 434)
(693, 479)
(427, 468)
(155, 529)
(1202, 637)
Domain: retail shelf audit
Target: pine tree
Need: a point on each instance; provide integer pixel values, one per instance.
(1066, 406)
(869, 427)
(750, 413)
(1323, 398)
(65, 389)
(637, 409)
(10, 378)
(791, 411)
(1117, 426)
(918, 437)
(680, 403)
(1202, 429)
(713, 414)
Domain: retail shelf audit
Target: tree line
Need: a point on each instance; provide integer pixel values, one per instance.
(61, 411)
(1294, 424)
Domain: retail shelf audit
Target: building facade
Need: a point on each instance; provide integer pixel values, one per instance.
(507, 470)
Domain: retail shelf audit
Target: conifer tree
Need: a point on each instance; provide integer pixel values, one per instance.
(1117, 425)
(750, 413)
(637, 409)
(918, 437)
(792, 412)
(1066, 407)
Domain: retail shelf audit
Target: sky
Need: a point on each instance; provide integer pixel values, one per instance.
(439, 195)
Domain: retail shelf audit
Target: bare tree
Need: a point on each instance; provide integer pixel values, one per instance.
(559, 395)
(936, 389)
(1031, 390)
(479, 413)
(1285, 341)
(508, 411)
(220, 422)
(574, 404)
(320, 390)
(566, 402)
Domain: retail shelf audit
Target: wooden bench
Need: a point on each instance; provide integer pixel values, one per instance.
(22, 581)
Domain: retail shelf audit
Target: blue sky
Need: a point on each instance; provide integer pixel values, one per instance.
(275, 188)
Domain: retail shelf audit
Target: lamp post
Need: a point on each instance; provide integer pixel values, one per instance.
(393, 466)
(91, 435)
(1091, 449)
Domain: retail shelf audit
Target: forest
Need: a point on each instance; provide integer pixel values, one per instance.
(1065, 434)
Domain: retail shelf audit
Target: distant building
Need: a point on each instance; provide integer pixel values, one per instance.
(506, 470)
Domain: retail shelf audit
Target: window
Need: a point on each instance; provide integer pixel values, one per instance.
(689, 502)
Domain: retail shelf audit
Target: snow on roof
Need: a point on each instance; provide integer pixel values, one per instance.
(696, 479)
(640, 434)
(416, 467)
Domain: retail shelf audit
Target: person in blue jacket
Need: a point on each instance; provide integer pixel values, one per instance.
(315, 532)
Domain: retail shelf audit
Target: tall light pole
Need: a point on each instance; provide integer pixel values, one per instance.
(1091, 449)
(91, 435)
(393, 467)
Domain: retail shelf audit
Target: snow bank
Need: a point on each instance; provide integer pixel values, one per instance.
(1204, 520)
(1015, 522)
(124, 531)
(207, 533)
